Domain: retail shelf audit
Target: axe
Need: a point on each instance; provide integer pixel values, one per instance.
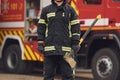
(69, 56)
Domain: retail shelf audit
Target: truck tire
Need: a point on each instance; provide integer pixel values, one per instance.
(106, 65)
(12, 60)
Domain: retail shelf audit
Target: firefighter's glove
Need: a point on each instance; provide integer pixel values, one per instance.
(40, 47)
(75, 48)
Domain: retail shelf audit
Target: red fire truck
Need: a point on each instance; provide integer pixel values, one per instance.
(100, 51)
(18, 39)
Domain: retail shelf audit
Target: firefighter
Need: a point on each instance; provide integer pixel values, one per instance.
(58, 33)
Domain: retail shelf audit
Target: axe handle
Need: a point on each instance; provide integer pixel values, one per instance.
(89, 29)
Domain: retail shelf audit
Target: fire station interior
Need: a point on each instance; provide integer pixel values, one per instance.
(32, 16)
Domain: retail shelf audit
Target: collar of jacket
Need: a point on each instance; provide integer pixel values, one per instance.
(59, 8)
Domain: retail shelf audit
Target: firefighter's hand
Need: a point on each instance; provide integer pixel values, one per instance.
(76, 48)
(40, 48)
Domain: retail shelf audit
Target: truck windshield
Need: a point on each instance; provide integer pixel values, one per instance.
(116, 0)
(94, 2)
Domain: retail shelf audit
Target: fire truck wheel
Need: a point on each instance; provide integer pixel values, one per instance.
(12, 60)
(106, 65)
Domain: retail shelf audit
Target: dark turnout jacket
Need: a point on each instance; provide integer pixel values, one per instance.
(59, 28)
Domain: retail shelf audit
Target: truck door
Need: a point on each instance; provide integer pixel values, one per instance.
(89, 9)
(113, 12)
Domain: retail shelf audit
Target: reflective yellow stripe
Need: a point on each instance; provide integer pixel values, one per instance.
(76, 34)
(27, 55)
(73, 22)
(10, 32)
(66, 48)
(30, 51)
(21, 35)
(5, 33)
(40, 41)
(41, 59)
(46, 32)
(63, 14)
(2, 35)
(70, 34)
(38, 57)
(49, 48)
(42, 21)
(15, 33)
(50, 14)
(0, 40)
(73, 4)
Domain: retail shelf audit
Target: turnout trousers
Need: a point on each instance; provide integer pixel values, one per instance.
(52, 62)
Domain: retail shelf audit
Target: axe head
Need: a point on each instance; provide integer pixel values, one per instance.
(69, 58)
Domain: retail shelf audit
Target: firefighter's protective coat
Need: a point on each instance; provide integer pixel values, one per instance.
(60, 29)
